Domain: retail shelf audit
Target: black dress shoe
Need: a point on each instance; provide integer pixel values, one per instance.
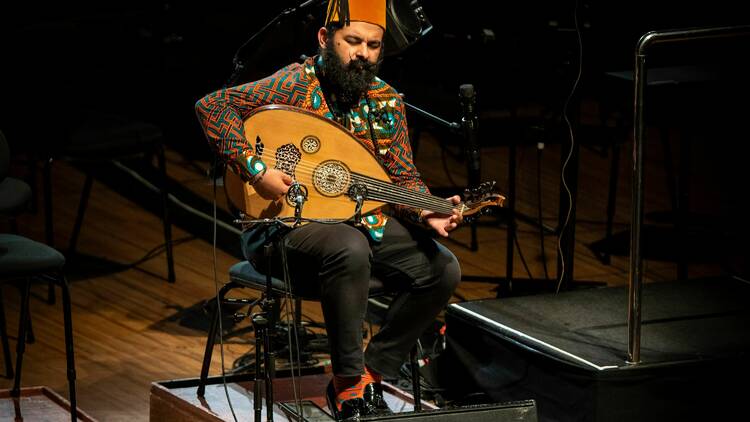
(351, 410)
(375, 404)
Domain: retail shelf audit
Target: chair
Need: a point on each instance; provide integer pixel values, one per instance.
(86, 128)
(244, 275)
(23, 259)
(15, 194)
(95, 138)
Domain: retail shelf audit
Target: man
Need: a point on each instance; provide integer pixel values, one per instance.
(340, 84)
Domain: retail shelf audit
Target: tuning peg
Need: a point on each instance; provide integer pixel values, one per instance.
(487, 187)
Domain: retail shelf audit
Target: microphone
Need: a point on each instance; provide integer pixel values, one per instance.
(310, 3)
(358, 193)
(297, 194)
(469, 122)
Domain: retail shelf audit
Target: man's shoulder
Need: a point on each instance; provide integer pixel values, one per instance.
(296, 72)
(293, 69)
(382, 90)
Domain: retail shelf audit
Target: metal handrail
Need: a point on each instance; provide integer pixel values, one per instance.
(636, 222)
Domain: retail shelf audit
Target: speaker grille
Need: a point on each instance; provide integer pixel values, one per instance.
(406, 22)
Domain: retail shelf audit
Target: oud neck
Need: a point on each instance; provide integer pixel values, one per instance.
(379, 190)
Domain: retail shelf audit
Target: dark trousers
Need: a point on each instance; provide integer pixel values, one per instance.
(336, 261)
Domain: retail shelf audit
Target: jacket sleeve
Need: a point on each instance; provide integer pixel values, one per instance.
(401, 166)
(222, 115)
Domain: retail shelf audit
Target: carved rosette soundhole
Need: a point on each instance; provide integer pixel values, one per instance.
(331, 178)
(310, 144)
(287, 158)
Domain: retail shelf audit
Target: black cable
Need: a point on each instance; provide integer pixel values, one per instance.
(311, 322)
(561, 276)
(540, 148)
(247, 359)
(157, 250)
(520, 255)
(218, 306)
(288, 294)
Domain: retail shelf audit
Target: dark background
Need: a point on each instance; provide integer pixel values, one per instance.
(154, 59)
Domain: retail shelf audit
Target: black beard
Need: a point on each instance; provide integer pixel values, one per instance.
(349, 81)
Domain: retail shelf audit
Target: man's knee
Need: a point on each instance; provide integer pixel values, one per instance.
(451, 274)
(346, 246)
(445, 272)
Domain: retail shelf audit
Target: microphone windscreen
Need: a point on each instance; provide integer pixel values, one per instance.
(467, 90)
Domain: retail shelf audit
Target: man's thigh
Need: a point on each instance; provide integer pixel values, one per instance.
(408, 255)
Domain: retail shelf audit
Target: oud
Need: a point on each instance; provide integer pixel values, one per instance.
(336, 176)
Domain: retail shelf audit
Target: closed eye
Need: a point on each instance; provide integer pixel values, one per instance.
(356, 41)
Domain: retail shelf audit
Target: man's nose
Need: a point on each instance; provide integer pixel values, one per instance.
(362, 52)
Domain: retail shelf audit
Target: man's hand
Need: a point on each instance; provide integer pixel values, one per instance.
(443, 223)
(273, 185)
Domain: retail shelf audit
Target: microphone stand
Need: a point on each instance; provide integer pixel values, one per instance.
(468, 124)
(238, 60)
(264, 323)
(450, 125)
(468, 128)
(265, 320)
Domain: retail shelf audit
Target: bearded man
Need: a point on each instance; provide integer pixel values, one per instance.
(340, 84)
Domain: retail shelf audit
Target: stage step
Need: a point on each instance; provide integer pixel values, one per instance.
(37, 404)
(177, 401)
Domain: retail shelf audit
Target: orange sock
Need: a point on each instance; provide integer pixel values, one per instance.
(348, 388)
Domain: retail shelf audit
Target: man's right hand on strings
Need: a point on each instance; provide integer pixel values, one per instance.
(273, 185)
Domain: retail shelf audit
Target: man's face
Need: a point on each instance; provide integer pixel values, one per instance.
(351, 56)
(358, 41)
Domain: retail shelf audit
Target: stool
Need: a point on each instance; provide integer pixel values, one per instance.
(244, 275)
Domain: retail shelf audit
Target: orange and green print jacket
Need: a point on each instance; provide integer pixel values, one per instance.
(378, 121)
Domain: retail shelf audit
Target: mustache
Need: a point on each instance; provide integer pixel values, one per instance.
(361, 65)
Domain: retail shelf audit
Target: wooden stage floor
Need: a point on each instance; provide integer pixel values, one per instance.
(133, 328)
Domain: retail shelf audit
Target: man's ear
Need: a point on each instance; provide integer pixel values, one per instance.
(322, 37)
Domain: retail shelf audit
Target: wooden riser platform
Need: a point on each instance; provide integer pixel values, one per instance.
(37, 404)
(177, 401)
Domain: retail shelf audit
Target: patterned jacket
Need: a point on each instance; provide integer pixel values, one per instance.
(378, 122)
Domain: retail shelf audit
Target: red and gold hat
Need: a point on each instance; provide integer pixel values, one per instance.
(345, 11)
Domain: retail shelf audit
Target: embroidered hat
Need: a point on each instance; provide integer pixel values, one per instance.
(345, 11)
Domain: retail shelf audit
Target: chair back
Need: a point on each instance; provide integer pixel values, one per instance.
(4, 157)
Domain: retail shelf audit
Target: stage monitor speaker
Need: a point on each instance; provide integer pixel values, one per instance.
(515, 411)
(406, 23)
